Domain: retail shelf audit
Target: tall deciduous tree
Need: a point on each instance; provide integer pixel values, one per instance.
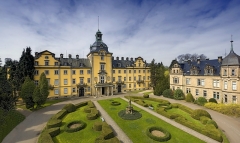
(193, 57)
(27, 92)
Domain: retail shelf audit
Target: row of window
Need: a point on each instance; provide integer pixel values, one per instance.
(65, 81)
(130, 71)
(200, 82)
(56, 91)
(215, 95)
(65, 72)
(233, 72)
(130, 78)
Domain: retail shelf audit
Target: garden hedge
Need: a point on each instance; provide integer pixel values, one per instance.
(52, 123)
(213, 100)
(213, 123)
(162, 111)
(90, 104)
(208, 130)
(53, 131)
(196, 114)
(97, 126)
(107, 135)
(60, 114)
(204, 120)
(160, 139)
(145, 96)
(70, 108)
(115, 103)
(93, 115)
(81, 104)
(45, 138)
(71, 130)
(141, 102)
(168, 93)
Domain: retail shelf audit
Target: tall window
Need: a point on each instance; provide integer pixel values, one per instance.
(56, 72)
(144, 78)
(73, 72)
(74, 90)
(233, 72)
(188, 81)
(200, 82)
(197, 92)
(124, 78)
(119, 71)
(81, 71)
(225, 98)
(88, 80)
(225, 72)
(113, 71)
(130, 71)
(102, 79)
(225, 85)
(89, 71)
(134, 71)
(56, 91)
(134, 78)
(102, 66)
(188, 90)
(216, 95)
(36, 63)
(56, 63)
(215, 83)
(234, 99)
(73, 81)
(36, 72)
(81, 80)
(129, 79)
(56, 82)
(119, 79)
(234, 85)
(102, 57)
(65, 82)
(139, 71)
(113, 79)
(46, 72)
(175, 80)
(124, 71)
(46, 63)
(65, 72)
(204, 93)
(65, 90)
(130, 85)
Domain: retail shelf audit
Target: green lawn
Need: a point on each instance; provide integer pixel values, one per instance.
(87, 135)
(136, 129)
(48, 103)
(9, 121)
(135, 91)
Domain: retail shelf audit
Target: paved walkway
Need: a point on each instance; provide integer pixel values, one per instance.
(119, 132)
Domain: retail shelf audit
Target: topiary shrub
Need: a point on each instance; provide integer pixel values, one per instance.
(54, 123)
(69, 129)
(90, 104)
(93, 115)
(81, 104)
(87, 109)
(45, 138)
(70, 108)
(189, 98)
(107, 135)
(60, 114)
(213, 100)
(201, 101)
(178, 94)
(168, 93)
(204, 120)
(212, 122)
(174, 105)
(145, 96)
(141, 102)
(54, 131)
(115, 103)
(97, 126)
(196, 114)
(166, 137)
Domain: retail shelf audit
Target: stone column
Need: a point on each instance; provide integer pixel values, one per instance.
(112, 90)
(107, 91)
(96, 91)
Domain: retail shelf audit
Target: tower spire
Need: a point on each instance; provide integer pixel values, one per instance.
(98, 23)
(231, 44)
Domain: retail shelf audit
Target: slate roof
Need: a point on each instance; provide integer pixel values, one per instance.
(186, 66)
(231, 59)
(124, 63)
(74, 62)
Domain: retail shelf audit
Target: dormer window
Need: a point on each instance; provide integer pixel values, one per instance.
(101, 46)
(119, 64)
(102, 57)
(225, 72)
(209, 70)
(233, 72)
(46, 57)
(139, 64)
(81, 64)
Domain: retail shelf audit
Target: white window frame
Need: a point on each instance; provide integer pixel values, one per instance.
(234, 85)
(56, 82)
(65, 72)
(225, 85)
(65, 82)
(56, 91)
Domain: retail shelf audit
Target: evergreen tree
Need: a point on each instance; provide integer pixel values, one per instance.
(27, 92)
(6, 94)
(152, 74)
(43, 86)
(37, 96)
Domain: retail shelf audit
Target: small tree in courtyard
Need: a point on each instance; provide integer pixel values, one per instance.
(189, 97)
(178, 94)
(27, 92)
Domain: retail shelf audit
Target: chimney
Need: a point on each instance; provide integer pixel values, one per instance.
(131, 59)
(198, 60)
(61, 55)
(112, 57)
(36, 53)
(220, 59)
(127, 58)
(117, 58)
(77, 56)
(135, 59)
(207, 59)
(69, 56)
(122, 58)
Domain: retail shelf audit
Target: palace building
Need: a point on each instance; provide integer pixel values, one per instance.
(217, 78)
(98, 74)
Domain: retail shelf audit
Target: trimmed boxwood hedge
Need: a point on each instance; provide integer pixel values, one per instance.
(145, 96)
(160, 139)
(213, 123)
(200, 101)
(81, 104)
(90, 104)
(162, 111)
(196, 114)
(52, 123)
(87, 109)
(97, 126)
(107, 135)
(70, 130)
(60, 114)
(212, 100)
(93, 115)
(209, 130)
(70, 108)
(45, 138)
(141, 102)
(204, 120)
(54, 131)
(115, 103)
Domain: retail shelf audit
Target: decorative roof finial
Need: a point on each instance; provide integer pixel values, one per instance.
(231, 43)
(98, 23)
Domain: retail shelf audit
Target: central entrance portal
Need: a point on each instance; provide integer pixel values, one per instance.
(103, 90)
(119, 88)
(81, 92)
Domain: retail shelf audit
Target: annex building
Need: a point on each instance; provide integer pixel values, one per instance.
(217, 78)
(98, 74)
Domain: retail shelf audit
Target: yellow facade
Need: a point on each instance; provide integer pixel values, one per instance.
(98, 74)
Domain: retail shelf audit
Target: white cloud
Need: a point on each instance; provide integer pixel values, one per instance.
(152, 29)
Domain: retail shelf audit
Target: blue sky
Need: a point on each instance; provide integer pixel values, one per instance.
(159, 29)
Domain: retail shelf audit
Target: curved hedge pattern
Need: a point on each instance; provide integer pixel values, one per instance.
(136, 115)
(160, 139)
(115, 103)
(54, 123)
(70, 130)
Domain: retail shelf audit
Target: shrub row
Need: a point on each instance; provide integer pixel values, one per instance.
(53, 131)
(107, 135)
(196, 114)
(168, 93)
(209, 130)
(70, 108)
(45, 137)
(70, 130)
(81, 104)
(60, 114)
(163, 112)
(213, 100)
(160, 139)
(52, 123)
(151, 99)
(185, 108)
(115, 103)
(141, 102)
(227, 109)
(90, 104)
